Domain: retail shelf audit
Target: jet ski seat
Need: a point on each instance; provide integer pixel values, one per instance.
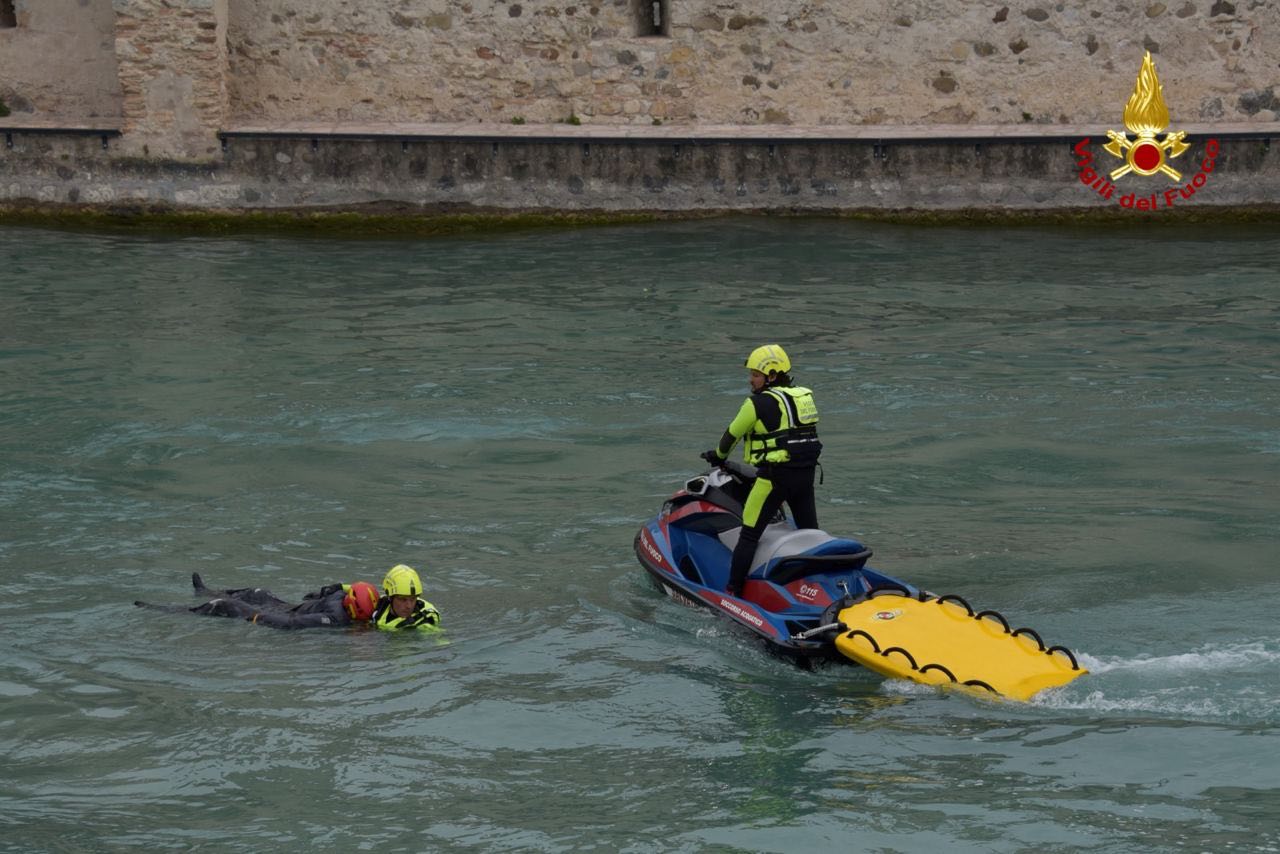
(785, 554)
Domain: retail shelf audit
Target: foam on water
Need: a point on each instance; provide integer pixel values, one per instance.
(1229, 658)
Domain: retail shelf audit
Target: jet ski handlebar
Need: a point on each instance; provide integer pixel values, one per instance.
(737, 469)
(742, 470)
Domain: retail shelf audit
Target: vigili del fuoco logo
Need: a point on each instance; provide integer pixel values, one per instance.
(1146, 116)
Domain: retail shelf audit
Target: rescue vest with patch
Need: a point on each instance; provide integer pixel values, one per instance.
(795, 442)
(424, 616)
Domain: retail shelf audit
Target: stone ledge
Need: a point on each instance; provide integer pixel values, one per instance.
(693, 134)
(94, 126)
(716, 133)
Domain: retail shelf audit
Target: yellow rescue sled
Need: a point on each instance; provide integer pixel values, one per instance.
(942, 641)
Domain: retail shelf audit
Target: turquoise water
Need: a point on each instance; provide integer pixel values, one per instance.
(1080, 428)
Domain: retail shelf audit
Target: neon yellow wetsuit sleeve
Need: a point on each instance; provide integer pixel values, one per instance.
(740, 426)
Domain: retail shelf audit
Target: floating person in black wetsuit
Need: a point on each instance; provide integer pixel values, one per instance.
(332, 605)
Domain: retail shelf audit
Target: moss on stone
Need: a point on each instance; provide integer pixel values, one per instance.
(383, 222)
(346, 223)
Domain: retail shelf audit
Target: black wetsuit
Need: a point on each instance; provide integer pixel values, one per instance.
(258, 605)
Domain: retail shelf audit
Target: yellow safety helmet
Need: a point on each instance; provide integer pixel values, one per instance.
(401, 580)
(769, 358)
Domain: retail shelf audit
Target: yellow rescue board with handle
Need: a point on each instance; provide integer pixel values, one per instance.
(942, 641)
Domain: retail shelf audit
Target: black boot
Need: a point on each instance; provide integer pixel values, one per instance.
(740, 564)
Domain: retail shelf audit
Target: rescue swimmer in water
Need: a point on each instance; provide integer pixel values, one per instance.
(399, 605)
(779, 425)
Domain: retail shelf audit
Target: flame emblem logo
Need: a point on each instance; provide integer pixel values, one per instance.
(1146, 115)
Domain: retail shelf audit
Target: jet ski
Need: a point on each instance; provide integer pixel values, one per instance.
(810, 596)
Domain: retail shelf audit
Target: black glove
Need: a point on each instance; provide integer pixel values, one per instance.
(712, 457)
(324, 591)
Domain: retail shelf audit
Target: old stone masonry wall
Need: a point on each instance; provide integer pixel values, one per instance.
(624, 104)
(176, 71)
(806, 62)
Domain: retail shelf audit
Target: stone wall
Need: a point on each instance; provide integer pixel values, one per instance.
(173, 73)
(60, 60)
(807, 62)
(524, 175)
(173, 76)
(172, 66)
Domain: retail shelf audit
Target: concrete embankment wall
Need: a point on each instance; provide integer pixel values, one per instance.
(556, 170)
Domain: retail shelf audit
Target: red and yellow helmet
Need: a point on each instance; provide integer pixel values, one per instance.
(361, 600)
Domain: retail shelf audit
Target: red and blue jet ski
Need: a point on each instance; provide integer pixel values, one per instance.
(811, 596)
(800, 579)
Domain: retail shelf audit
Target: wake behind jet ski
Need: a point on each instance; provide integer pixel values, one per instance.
(810, 595)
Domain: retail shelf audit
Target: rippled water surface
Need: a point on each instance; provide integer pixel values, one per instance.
(1080, 428)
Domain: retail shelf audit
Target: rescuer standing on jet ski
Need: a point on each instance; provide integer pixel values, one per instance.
(778, 421)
